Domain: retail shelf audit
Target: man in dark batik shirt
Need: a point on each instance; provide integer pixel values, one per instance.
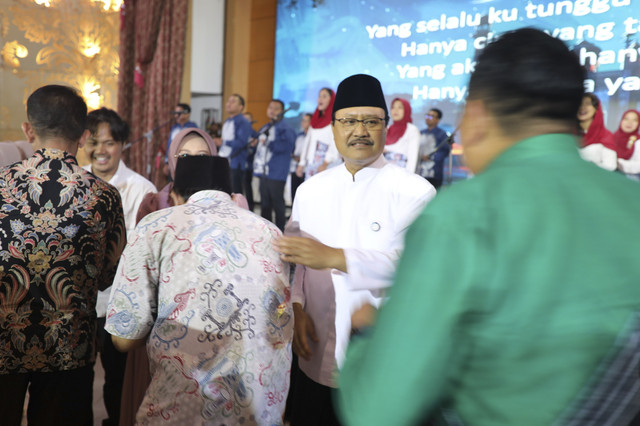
(61, 235)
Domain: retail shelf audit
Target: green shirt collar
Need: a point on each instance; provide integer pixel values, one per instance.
(553, 144)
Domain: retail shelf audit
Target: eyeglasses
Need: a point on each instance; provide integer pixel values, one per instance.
(190, 155)
(368, 123)
(428, 116)
(179, 112)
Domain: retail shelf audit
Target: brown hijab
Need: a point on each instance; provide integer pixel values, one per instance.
(152, 202)
(177, 142)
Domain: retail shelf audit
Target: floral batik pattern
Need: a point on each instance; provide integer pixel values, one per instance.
(61, 234)
(204, 283)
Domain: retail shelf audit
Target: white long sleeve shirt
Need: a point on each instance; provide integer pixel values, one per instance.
(404, 152)
(319, 147)
(366, 215)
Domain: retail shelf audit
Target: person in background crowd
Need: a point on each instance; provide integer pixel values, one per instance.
(319, 151)
(104, 148)
(276, 142)
(345, 234)
(296, 180)
(217, 325)
(597, 143)
(434, 149)
(62, 230)
(403, 138)
(535, 319)
(234, 143)
(182, 115)
(626, 138)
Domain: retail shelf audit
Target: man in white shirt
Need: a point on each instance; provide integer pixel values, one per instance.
(104, 149)
(346, 234)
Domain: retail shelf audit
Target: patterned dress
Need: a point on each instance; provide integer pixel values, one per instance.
(203, 282)
(61, 234)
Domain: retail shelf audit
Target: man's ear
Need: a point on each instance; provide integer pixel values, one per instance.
(477, 122)
(83, 138)
(28, 131)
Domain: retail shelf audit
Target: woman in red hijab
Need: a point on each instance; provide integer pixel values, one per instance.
(625, 139)
(597, 142)
(319, 150)
(403, 137)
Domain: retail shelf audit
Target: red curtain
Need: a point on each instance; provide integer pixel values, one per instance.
(152, 43)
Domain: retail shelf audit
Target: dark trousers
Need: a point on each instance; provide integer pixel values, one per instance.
(295, 183)
(114, 364)
(57, 398)
(237, 181)
(272, 200)
(312, 404)
(248, 178)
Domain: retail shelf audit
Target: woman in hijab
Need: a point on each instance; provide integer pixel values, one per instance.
(403, 137)
(625, 139)
(597, 142)
(319, 150)
(190, 141)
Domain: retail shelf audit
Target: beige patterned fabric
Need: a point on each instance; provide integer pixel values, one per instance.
(204, 283)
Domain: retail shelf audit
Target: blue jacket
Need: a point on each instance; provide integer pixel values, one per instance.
(441, 153)
(273, 161)
(239, 143)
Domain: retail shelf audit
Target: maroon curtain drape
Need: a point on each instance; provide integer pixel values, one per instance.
(152, 43)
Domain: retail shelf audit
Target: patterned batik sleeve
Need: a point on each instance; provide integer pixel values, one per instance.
(116, 237)
(133, 303)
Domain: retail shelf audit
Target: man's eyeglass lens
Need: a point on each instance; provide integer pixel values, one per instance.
(369, 123)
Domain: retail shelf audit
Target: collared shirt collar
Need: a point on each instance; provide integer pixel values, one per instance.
(538, 146)
(209, 197)
(367, 172)
(57, 154)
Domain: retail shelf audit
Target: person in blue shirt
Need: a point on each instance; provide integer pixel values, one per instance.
(234, 142)
(434, 149)
(276, 142)
(251, 153)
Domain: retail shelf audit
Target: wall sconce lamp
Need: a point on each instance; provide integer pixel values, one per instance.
(12, 52)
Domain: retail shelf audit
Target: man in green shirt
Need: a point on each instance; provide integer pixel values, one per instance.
(517, 298)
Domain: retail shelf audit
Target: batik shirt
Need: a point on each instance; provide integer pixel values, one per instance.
(204, 283)
(61, 234)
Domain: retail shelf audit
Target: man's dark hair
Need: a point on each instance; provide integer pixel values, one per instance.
(185, 107)
(308, 114)
(117, 126)
(240, 98)
(526, 74)
(280, 102)
(437, 111)
(57, 112)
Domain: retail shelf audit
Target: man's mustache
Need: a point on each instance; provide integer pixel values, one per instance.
(360, 141)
